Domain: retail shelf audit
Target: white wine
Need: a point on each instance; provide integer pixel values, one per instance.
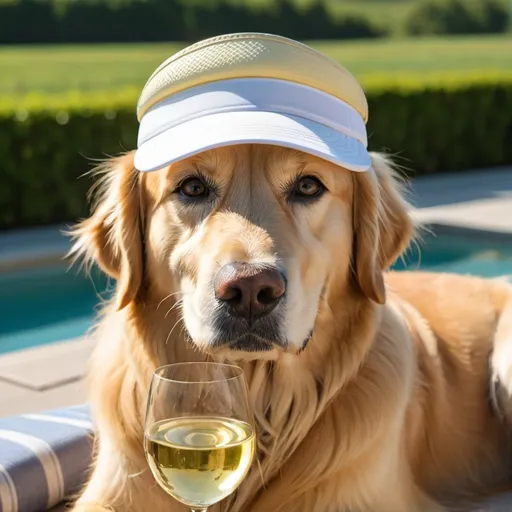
(200, 460)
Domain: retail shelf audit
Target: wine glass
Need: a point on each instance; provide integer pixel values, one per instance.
(199, 433)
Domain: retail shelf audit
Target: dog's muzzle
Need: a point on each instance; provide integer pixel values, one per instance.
(246, 316)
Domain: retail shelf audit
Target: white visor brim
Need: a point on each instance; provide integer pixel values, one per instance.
(226, 129)
(252, 111)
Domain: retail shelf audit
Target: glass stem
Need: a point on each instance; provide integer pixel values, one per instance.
(199, 510)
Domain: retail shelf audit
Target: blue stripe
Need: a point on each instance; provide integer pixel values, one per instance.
(75, 459)
(27, 474)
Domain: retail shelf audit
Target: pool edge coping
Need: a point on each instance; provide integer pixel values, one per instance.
(47, 245)
(446, 228)
(54, 355)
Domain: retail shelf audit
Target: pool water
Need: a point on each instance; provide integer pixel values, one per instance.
(41, 306)
(45, 305)
(470, 254)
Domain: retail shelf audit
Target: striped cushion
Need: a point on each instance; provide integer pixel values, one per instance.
(43, 457)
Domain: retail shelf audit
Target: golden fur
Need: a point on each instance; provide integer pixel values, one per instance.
(390, 406)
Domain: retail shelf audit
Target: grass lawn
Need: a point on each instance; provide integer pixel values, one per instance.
(54, 70)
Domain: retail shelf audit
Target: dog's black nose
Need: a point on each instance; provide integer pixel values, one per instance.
(251, 291)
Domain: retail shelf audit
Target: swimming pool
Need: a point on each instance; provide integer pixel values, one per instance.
(41, 306)
(467, 252)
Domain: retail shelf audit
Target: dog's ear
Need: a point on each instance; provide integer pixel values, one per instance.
(382, 226)
(112, 235)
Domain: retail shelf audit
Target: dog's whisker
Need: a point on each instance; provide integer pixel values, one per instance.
(135, 475)
(171, 331)
(168, 297)
(176, 306)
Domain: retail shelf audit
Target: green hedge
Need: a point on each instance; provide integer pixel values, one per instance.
(44, 150)
(458, 17)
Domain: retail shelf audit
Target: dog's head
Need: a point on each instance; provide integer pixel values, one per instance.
(253, 240)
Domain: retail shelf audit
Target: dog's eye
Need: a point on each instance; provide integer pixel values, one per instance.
(194, 187)
(308, 187)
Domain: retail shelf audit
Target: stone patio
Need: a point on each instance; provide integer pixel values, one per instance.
(44, 377)
(477, 200)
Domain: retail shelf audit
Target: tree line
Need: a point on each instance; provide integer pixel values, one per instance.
(102, 21)
(83, 21)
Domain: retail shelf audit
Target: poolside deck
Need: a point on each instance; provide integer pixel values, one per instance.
(52, 375)
(476, 200)
(44, 377)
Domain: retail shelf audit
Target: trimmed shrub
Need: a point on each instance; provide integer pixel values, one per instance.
(458, 17)
(45, 151)
(457, 127)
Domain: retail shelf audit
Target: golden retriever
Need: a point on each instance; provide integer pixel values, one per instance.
(371, 391)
